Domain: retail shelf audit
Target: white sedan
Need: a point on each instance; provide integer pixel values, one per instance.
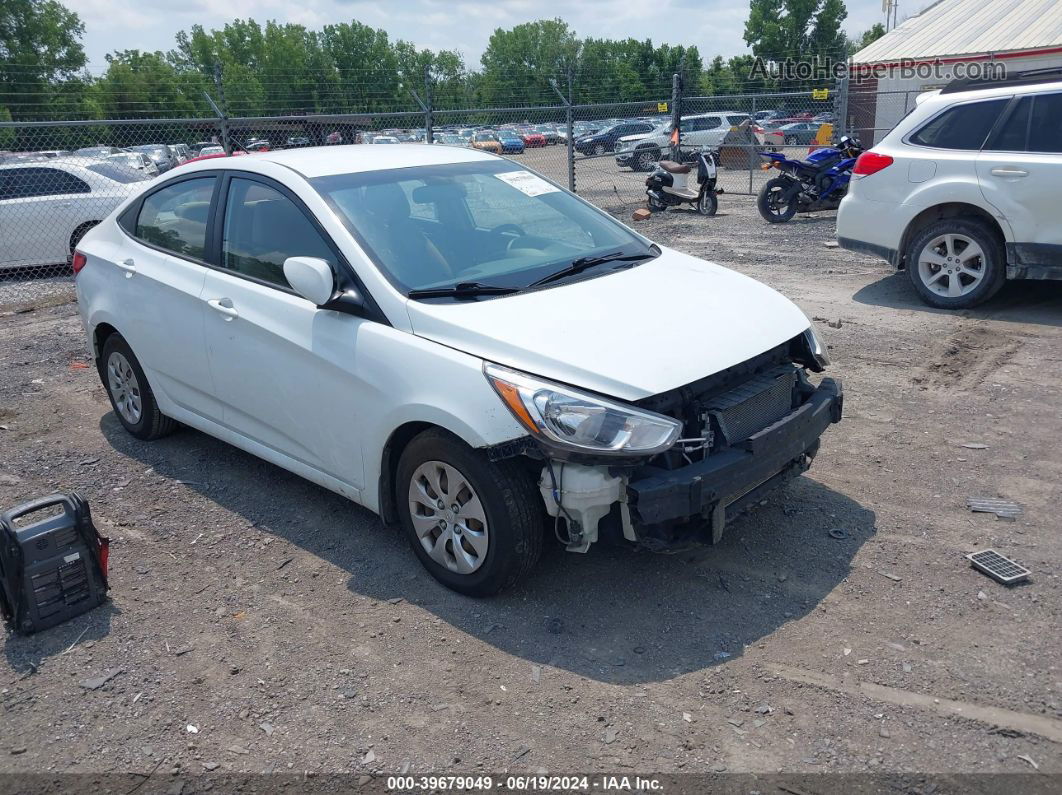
(455, 343)
(46, 207)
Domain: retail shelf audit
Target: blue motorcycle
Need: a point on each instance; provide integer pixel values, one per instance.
(807, 186)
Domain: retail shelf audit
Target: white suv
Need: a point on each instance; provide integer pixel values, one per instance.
(964, 192)
(641, 152)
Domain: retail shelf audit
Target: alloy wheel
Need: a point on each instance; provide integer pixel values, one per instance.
(448, 517)
(951, 265)
(124, 388)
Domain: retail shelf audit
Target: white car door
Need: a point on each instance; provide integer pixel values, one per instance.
(157, 282)
(1020, 174)
(38, 214)
(285, 370)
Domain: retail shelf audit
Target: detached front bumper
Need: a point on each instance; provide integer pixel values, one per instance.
(717, 488)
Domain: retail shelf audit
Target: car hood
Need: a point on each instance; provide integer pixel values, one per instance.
(628, 334)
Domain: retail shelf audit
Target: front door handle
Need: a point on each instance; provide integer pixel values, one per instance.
(128, 266)
(224, 306)
(1009, 172)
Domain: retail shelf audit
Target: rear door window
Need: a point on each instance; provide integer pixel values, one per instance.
(175, 217)
(961, 127)
(24, 183)
(1045, 128)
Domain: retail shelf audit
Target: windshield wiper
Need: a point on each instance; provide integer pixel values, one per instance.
(463, 290)
(584, 263)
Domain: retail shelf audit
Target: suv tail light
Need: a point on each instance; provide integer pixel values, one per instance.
(78, 262)
(870, 163)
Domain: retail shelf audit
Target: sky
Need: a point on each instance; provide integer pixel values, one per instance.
(714, 26)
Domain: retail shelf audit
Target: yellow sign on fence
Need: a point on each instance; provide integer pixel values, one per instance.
(820, 93)
(661, 107)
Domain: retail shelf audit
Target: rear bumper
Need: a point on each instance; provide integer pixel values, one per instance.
(890, 255)
(708, 488)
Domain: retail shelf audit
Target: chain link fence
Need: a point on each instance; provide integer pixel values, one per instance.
(60, 178)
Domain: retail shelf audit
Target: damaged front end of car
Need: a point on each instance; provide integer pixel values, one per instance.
(673, 468)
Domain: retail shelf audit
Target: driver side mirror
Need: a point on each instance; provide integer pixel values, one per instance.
(310, 277)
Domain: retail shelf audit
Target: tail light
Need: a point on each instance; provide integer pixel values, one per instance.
(870, 163)
(78, 262)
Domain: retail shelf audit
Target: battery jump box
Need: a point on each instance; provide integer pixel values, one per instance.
(53, 568)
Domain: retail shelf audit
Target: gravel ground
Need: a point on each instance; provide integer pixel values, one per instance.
(295, 633)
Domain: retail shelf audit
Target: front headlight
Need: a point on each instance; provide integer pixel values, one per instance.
(817, 349)
(563, 417)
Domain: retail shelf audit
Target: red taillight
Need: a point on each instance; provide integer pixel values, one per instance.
(870, 163)
(78, 262)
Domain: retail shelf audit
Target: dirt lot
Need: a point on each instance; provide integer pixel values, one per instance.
(296, 633)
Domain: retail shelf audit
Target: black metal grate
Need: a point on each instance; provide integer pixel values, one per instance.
(755, 404)
(997, 566)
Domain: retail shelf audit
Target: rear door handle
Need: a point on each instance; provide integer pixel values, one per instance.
(1009, 172)
(224, 306)
(128, 266)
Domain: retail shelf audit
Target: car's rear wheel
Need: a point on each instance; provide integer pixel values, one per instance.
(599, 149)
(130, 393)
(645, 159)
(956, 263)
(790, 140)
(475, 525)
(79, 233)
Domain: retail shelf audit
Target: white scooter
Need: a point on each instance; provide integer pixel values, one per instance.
(669, 186)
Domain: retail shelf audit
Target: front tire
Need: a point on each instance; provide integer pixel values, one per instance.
(130, 393)
(475, 525)
(708, 203)
(599, 149)
(770, 201)
(645, 159)
(956, 263)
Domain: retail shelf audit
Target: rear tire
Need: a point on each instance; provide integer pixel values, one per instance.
(599, 149)
(79, 233)
(956, 263)
(768, 202)
(495, 536)
(130, 393)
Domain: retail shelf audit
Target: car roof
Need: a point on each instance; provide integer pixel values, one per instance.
(323, 161)
(51, 162)
(992, 92)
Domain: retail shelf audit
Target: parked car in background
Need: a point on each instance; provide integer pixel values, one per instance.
(257, 145)
(198, 146)
(297, 141)
(449, 139)
(550, 133)
(511, 143)
(46, 207)
(137, 161)
(211, 151)
(181, 152)
(384, 139)
(603, 141)
(963, 193)
(533, 139)
(100, 151)
(642, 151)
(465, 327)
(767, 117)
(799, 132)
(161, 155)
(487, 142)
(48, 154)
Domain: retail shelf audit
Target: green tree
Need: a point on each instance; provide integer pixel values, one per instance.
(147, 84)
(870, 36)
(40, 49)
(797, 29)
(518, 63)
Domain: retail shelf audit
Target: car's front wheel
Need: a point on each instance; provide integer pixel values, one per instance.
(645, 159)
(956, 263)
(476, 525)
(599, 149)
(129, 392)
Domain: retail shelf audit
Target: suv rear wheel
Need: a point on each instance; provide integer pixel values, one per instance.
(956, 263)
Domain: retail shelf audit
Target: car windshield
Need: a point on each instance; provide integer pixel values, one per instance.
(118, 172)
(483, 222)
